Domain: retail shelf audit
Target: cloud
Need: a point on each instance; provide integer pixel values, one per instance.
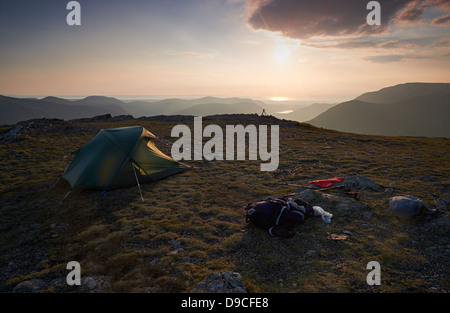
(366, 44)
(441, 20)
(443, 5)
(391, 58)
(412, 12)
(401, 51)
(444, 42)
(304, 19)
(385, 58)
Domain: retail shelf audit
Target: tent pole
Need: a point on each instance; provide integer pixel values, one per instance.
(55, 183)
(64, 198)
(139, 186)
(163, 141)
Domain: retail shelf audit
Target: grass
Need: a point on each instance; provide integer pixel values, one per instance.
(193, 223)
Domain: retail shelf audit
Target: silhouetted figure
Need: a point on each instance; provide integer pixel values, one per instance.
(264, 113)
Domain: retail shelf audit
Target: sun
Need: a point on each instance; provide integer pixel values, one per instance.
(281, 53)
(277, 99)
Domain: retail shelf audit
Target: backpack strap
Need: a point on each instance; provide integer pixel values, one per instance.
(279, 215)
(278, 219)
(299, 213)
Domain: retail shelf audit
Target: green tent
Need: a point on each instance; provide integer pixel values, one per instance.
(120, 157)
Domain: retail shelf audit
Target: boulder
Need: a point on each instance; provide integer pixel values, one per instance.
(95, 284)
(14, 134)
(221, 282)
(406, 207)
(30, 286)
(352, 183)
(307, 195)
(359, 182)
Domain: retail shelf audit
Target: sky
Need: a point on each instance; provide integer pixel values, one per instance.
(320, 50)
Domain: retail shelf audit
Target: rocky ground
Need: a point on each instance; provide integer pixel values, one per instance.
(190, 233)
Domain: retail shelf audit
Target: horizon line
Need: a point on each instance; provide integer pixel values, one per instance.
(166, 97)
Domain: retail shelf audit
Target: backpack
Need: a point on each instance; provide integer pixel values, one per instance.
(278, 216)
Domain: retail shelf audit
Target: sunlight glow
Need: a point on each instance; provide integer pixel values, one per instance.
(281, 53)
(279, 99)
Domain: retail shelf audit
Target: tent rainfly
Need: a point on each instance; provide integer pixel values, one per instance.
(120, 157)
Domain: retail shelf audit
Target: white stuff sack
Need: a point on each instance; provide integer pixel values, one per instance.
(326, 216)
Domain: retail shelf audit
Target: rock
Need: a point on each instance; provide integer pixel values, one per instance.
(176, 251)
(89, 282)
(192, 260)
(348, 232)
(221, 282)
(340, 203)
(121, 118)
(13, 135)
(334, 204)
(352, 183)
(29, 286)
(150, 289)
(389, 191)
(306, 195)
(442, 204)
(95, 284)
(27, 128)
(58, 283)
(357, 182)
(406, 207)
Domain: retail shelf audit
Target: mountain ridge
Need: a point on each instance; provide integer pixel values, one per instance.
(422, 111)
(402, 92)
(18, 109)
(409, 109)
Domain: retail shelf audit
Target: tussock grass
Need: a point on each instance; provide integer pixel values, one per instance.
(192, 224)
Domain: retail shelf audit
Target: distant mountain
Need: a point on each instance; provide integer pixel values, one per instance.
(202, 106)
(221, 108)
(412, 109)
(417, 110)
(98, 101)
(19, 109)
(56, 100)
(234, 100)
(306, 113)
(404, 92)
(161, 107)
